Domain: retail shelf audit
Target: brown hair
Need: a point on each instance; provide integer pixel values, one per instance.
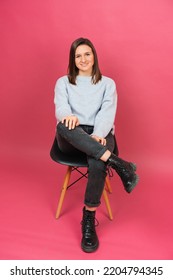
(73, 70)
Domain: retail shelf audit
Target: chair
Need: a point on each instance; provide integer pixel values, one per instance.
(74, 164)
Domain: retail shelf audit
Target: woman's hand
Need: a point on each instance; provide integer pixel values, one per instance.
(99, 139)
(70, 121)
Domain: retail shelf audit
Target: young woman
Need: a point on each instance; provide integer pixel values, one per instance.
(85, 107)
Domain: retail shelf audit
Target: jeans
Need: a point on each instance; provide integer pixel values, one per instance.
(78, 140)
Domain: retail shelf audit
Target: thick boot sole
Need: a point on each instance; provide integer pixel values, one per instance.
(90, 249)
(134, 183)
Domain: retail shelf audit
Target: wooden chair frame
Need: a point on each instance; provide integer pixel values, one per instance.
(66, 185)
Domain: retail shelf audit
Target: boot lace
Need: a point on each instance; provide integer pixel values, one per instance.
(88, 224)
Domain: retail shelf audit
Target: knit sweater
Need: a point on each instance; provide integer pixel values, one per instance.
(92, 104)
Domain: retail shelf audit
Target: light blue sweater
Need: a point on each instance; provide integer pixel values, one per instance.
(93, 104)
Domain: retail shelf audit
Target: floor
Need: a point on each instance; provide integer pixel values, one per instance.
(142, 227)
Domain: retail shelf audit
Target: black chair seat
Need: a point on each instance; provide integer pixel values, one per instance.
(79, 160)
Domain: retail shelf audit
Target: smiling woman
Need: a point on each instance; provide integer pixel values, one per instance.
(85, 105)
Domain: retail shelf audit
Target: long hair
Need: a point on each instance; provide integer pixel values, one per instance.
(73, 70)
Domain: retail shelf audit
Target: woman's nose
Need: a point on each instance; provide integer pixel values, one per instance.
(83, 58)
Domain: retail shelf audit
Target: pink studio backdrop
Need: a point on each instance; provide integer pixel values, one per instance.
(135, 47)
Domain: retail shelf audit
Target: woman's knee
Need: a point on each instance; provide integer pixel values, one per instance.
(60, 127)
(62, 130)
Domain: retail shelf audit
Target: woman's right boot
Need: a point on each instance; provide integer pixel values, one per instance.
(126, 171)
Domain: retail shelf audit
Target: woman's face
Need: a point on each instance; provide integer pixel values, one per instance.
(84, 60)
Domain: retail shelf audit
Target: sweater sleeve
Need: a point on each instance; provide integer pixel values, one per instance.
(62, 107)
(104, 120)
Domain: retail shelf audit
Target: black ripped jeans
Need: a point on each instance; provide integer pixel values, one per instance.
(78, 140)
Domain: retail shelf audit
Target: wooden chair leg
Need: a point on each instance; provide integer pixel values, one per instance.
(63, 191)
(107, 204)
(108, 185)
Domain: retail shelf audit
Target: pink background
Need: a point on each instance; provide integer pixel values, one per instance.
(134, 42)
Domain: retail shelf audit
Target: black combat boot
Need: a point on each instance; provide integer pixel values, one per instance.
(126, 171)
(90, 240)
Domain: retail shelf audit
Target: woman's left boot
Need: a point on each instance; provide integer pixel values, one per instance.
(126, 171)
(90, 240)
